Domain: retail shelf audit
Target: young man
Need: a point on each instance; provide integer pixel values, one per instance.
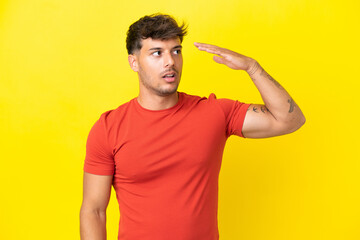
(162, 151)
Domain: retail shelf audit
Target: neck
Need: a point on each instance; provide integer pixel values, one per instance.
(155, 102)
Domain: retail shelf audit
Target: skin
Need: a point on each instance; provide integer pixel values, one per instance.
(151, 62)
(277, 116)
(96, 195)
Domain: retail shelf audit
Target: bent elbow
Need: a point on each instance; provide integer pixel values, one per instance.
(295, 125)
(303, 120)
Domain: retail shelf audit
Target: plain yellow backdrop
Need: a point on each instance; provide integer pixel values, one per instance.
(64, 62)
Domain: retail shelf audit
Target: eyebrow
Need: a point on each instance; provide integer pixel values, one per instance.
(157, 48)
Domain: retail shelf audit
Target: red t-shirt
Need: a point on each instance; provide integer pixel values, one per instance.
(165, 164)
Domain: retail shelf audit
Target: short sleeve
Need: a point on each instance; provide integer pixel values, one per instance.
(234, 112)
(99, 158)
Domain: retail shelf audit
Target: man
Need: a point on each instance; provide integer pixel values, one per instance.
(162, 151)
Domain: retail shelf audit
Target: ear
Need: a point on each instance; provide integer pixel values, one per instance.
(133, 61)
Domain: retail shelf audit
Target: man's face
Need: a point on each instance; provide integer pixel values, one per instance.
(159, 66)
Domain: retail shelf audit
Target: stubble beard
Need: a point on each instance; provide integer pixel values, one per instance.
(159, 90)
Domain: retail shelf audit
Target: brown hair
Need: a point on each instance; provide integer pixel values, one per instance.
(155, 26)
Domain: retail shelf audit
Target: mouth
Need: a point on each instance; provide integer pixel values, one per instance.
(169, 76)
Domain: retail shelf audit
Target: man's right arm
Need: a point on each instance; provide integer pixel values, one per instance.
(96, 195)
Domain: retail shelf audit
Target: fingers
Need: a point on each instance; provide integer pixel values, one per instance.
(214, 50)
(206, 47)
(197, 44)
(225, 56)
(209, 48)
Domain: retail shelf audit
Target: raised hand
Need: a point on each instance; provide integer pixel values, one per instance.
(227, 57)
(276, 117)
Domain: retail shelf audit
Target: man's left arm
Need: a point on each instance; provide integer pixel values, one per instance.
(279, 115)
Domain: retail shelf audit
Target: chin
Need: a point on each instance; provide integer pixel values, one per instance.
(167, 92)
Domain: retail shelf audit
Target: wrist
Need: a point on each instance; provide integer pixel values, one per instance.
(253, 67)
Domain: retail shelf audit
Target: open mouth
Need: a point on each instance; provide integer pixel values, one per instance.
(169, 77)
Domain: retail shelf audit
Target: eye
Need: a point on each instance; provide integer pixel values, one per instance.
(157, 53)
(177, 51)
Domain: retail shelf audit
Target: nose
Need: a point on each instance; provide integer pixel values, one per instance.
(168, 60)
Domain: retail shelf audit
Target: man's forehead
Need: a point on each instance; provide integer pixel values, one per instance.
(149, 43)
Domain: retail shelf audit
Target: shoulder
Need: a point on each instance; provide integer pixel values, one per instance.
(195, 98)
(113, 114)
(211, 98)
(189, 101)
(225, 104)
(107, 120)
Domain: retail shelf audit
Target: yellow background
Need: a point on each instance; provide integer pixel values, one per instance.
(64, 62)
